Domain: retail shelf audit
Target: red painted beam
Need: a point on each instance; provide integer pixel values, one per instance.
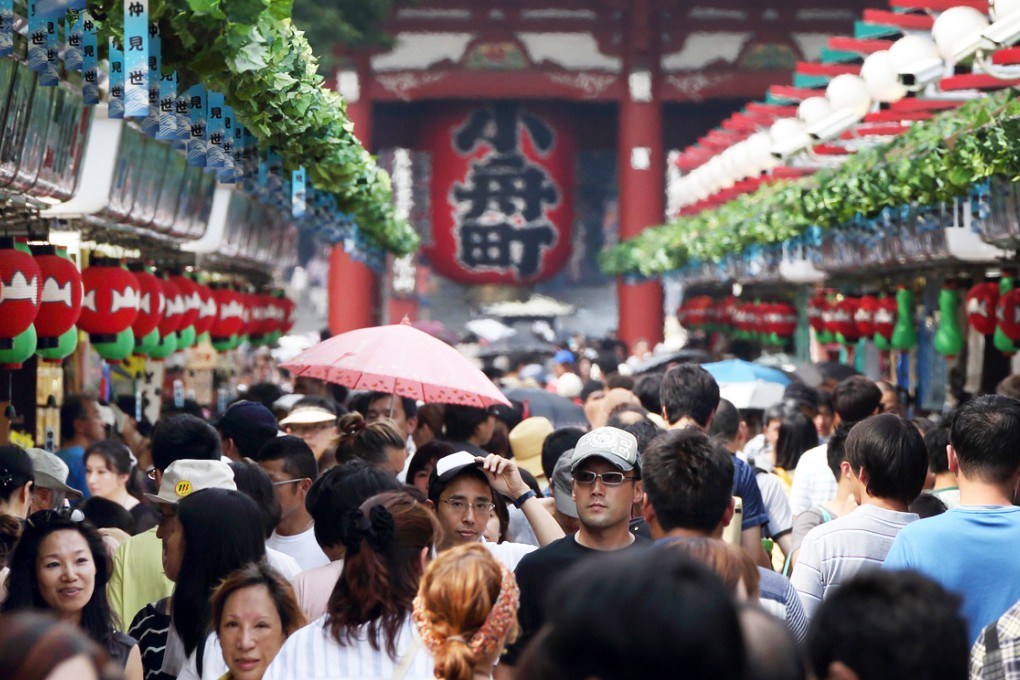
(858, 45)
(795, 93)
(975, 81)
(1008, 56)
(939, 5)
(912, 22)
(773, 110)
(896, 116)
(808, 68)
(912, 104)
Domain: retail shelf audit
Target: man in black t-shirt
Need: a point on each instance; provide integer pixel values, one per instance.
(606, 483)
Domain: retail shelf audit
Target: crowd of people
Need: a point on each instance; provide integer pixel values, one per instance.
(327, 534)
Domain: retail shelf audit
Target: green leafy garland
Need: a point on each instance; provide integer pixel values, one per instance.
(934, 161)
(250, 51)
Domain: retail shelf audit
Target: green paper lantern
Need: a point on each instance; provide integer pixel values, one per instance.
(904, 336)
(145, 345)
(167, 346)
(24, 346)
(1000, 339)
(186, 337)
(224, 344)
(66, 344)
(118, 350)
(949, 336)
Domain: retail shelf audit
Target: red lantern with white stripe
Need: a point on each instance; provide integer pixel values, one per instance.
(110, 301)
(60, 297)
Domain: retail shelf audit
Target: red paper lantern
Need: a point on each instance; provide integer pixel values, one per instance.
(190, 297)
(20, 290)
(815, 310)
(111, 296)
(151, 303)
(229, 312)
(207, 310)
(1007, 313)
(60, 297)
(173, 315)
(981, 303)
(885, 318)
(263, 313)
(784, 319)
(289, 315)
(843, 315)
(864, 317)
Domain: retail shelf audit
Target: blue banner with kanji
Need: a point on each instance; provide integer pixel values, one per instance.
(136, 58)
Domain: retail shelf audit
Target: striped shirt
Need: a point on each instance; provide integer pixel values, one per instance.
(835, 552)
(313, 654)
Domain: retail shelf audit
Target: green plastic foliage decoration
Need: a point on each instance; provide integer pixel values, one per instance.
(904, 335)
(948, 338)
(24, 346)
(66, 344)
(118, 350)
(1000, 340)
(251, 52)
(933, 161)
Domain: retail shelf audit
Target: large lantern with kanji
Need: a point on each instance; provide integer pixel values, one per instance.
(981, 300)
(501, 192)
(110, 302)
(20, 290)
(60, 297)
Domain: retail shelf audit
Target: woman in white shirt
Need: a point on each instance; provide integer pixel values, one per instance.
(366, 632)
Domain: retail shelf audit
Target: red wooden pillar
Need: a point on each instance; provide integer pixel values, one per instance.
(353, 286)
(641, 170)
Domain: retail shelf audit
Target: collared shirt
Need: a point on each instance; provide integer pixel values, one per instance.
(813, 483)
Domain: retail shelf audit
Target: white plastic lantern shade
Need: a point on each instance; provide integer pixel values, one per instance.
(999, 9)
(759, 152)
(957, 32)
(880, 77)
(813, 109)
(737, 161)
(915, 56)
(788, 136)
(721, 179)
(849, 92)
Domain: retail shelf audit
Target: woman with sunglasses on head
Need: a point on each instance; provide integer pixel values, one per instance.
(59, 565)
(111, 472)
(367, 632)
(465, 610)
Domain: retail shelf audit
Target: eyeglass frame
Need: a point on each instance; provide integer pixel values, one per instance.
(601, 476)
(480, 508)
(282, 482)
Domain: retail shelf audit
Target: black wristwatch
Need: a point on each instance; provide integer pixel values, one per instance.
(523, 498)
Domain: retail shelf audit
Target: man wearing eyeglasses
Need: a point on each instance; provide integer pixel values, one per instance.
(606, 485)
(462, 491)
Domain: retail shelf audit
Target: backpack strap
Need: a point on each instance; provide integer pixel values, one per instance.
(992, 668)
(826, 515)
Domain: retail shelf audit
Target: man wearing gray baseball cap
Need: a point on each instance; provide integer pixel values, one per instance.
(606, 483)
(50, 489)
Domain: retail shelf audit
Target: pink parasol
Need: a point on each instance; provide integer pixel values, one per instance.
(398, 359)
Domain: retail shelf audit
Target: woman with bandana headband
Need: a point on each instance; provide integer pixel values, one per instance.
(465, 610)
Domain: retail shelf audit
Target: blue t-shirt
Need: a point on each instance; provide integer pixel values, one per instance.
(74, 456)
(746, 486)
(970, 550)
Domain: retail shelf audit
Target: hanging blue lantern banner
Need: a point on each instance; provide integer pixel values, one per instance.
(136, 58)
(237, 149)
(73, 32)
(197, 112)
(150, 124)
(89, 61)
(37, 40)
(183, 109)
(216, 130)
(226, 175)
(297, 193)
(116, 82)
(6, 27)
(168, 107)
(50, 76)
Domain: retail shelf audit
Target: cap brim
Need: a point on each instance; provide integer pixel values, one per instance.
(611, 458)
(564, 503)
(307, 418)
(159, 499)
(45, 481)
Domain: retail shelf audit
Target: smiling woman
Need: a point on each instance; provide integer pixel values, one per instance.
(60, 565)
